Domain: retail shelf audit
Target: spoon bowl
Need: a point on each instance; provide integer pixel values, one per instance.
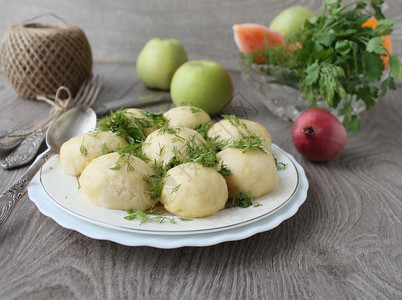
(73, 122)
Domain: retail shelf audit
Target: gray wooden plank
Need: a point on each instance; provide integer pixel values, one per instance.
(344, 242)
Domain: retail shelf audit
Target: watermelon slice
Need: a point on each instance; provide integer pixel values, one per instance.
(252, 37)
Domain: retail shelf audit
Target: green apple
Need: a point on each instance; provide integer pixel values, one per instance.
(202, 83)
(158, 61)
(291, 19)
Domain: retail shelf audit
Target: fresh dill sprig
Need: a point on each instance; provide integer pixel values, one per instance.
(203, 129)
(175, 189)
(178, 138)
(144, 217)
(248, 143)
(195, 110)
(235, 121)
(105, 149)
(174, 161)
(124, 126)
(224, 171)
(160, 149)
(166, 129)
(155, 180)
(153, 119)
(123, 159)
(125, 153)
(83, 149)
(280, 166)
(134, 150)
(204, 153)
(152, 216)
(242, 200)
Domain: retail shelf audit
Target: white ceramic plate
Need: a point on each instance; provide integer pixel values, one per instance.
(63, 190)
(67, 220)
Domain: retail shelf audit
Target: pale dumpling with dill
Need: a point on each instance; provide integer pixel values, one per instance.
(117, 182)
(79, 151)
(193, 191)
(253, 172)
(139, 114)
(232, 129)
(163, 144)
(187, 116)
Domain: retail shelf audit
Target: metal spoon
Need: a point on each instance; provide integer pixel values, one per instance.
(73, 122)
(27, 150)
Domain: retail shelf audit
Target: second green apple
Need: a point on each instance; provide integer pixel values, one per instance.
(202, 83)
(158, 61)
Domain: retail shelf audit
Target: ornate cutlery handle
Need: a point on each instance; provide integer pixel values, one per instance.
(26, 151)
(9, 197)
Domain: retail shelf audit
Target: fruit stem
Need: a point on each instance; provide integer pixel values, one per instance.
(308, 129)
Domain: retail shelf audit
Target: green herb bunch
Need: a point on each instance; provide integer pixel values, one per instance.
(337, 60)
(129, 127)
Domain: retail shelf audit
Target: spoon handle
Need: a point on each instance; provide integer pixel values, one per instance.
(10, 196)
(26, 151)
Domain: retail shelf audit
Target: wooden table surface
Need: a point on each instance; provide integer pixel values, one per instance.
(345, 242)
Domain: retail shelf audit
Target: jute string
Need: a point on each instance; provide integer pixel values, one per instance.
(58, 104)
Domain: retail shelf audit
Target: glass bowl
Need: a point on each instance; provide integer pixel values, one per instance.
(278, 88)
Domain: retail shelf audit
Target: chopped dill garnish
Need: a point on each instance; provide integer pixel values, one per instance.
(134, 150)
(105, 150)
(93, 133)
(234, 120)
(124, 156)
(178, 138)
(83, 150)
(175, 189)
(160, 149)
(203, 129)
(224, 171)
(166, 129)
(116, 167)
(173, 162)
(243, 200)
(144, 217)
(125, 126)
(194, 109)
(156, 180)
(152, 215)
(204, 153)
(130, 167)
(281, 166)
(153, 119)
(248, 143)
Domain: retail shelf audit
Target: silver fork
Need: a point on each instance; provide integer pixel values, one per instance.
(29, 146)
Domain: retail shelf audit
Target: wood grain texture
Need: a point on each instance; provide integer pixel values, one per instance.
(345, 242)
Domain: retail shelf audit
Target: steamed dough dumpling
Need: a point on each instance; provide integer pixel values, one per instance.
(117, 188)
(186, 116)
(253, 172)
(79, 151)
(162, 145)
(138, 113)
(193, 191)
(229, 130)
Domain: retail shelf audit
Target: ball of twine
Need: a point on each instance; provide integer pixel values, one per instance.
(38, 58)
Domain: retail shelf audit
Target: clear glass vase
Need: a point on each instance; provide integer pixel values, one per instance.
(278, 88)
